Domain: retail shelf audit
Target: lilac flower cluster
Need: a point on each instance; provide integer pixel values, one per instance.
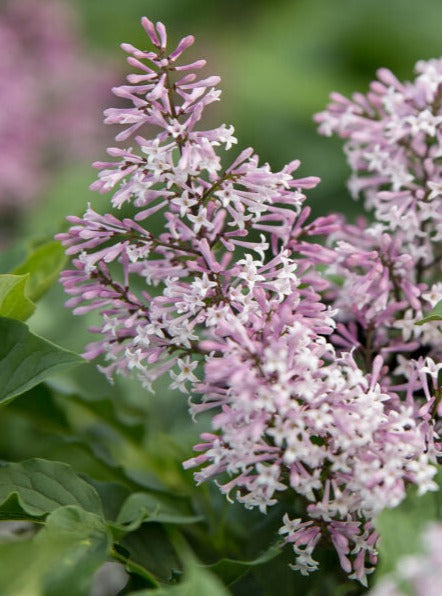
(391, 269)
(206, 214)
(226, 297)
(41, 70)
(293, 414)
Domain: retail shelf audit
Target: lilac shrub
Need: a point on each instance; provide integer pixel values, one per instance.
(228, 299)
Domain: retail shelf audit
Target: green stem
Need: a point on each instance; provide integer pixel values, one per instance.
(133, 567)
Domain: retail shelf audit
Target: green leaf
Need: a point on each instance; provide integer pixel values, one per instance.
(27, 359)
(197, 581)
(150, 507)
(14, 300)
(112, 495)
(400, 528)
(43, 265)
(115, 443)
(230, 569)
(40, 424)
(33, 488)
(434, 315)
(61, 559)
(150, 554)
(40, 406)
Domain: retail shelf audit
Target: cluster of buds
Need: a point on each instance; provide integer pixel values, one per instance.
(214, 277)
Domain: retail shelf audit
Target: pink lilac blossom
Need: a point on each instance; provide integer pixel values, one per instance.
(206, 211)
(50, 95)
(417, 574)
(391, 268)
(226, 299)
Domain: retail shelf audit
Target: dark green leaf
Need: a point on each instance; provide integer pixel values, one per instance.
(104, 410)
(35, 487)
(61, 559)
(151, 554)
(155, 507)
(39, 405)
(112, 496)
(197, 581)
(27, 359)
(112, 441)
(43, 266)
(14, 300)
(229, 569)
(12, 509)
(48, 434)
(434, 315)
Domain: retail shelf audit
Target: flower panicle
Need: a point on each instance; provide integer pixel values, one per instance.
(391, 268)
(213, 279)
(207, 213)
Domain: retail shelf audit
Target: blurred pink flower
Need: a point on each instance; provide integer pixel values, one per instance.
(417, 574)
(50, 96)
